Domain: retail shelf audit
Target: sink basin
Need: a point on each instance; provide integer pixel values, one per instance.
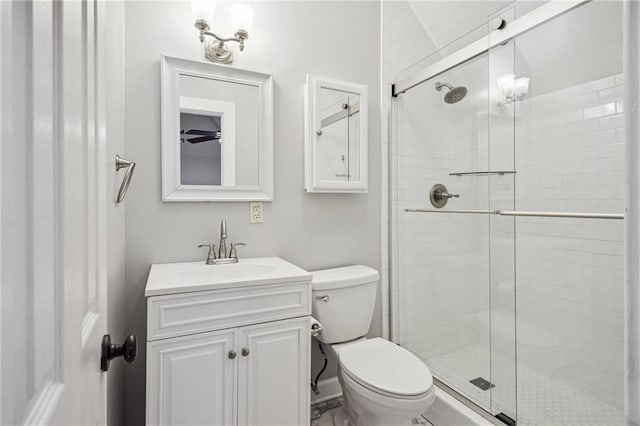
(231, 271)
(171, 278)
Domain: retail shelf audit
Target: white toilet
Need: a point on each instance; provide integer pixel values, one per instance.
(382, 383)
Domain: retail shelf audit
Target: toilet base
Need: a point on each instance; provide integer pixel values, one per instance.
(340, 418)
(362, 407)
(357, 412)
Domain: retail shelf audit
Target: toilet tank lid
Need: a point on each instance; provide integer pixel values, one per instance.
(347, 276)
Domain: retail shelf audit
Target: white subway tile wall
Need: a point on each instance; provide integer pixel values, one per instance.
(569, 273)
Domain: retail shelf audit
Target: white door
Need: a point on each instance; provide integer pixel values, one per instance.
(52, 213)
(273, 376)
(191, 380)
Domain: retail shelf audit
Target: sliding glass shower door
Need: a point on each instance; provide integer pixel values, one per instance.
(444, 260)
(513, 293)
(568, 154)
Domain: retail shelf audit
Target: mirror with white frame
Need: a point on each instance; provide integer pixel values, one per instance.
(335, 136)
(217, 132)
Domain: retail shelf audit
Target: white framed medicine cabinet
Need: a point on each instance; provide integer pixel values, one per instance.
(336, 142)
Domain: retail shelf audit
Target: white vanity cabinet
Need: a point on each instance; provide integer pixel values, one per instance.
(191, 380)
(273, 379)
(228, 346)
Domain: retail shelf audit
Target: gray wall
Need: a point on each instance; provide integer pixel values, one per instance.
(289, 39)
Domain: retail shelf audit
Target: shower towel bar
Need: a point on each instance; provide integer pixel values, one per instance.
(451, 211)
(487, 173)
(525, 213)
(561, 214)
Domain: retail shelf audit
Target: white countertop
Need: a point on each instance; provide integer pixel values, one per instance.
(184, 277)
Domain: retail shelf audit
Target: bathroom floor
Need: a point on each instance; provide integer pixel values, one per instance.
(322, 414)
(542, 400)
(325, 420)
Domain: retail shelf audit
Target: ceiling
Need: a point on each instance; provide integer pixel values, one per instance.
(582, 45)
(446, 21)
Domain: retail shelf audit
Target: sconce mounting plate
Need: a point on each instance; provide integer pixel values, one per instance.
(218, 52)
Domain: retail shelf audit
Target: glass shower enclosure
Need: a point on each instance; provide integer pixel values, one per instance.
(512, 293)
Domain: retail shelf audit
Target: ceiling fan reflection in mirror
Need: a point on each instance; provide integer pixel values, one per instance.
(198, 136)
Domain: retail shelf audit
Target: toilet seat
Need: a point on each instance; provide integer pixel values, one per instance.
(386, 369)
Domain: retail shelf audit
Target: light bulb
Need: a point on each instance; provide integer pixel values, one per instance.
(203, 10)
(241, 16)
(522, 86)
(506, 84)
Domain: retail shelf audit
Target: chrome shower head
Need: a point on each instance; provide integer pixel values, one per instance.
(455, 94)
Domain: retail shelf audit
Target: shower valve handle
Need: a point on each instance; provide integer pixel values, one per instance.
(438, 195)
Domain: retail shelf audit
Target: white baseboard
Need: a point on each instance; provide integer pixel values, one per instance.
(448, 411)
(329, 389)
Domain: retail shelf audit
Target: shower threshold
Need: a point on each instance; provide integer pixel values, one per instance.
(499, 419)
(467, 402)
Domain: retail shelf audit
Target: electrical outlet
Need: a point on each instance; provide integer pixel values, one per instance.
(255, 212)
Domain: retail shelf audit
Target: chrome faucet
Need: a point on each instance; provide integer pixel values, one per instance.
(222, 247)
(223, 256)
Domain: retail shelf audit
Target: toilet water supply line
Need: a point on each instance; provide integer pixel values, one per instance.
(316, 330)
(314, 385)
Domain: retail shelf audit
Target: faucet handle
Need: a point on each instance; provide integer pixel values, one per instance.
(211, 256)
(234, 252)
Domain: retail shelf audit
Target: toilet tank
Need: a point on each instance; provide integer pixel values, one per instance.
(343, 301)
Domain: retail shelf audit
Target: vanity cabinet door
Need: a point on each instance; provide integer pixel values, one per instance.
(274, 370)
(191, 380)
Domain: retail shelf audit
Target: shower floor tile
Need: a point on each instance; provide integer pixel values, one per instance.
(542, 400)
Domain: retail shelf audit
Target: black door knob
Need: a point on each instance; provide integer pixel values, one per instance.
(128, 350)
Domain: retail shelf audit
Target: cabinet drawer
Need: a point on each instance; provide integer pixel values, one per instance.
(188, 313)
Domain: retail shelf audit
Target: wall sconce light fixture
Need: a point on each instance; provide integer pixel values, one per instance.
(511, 88)
(217, 50)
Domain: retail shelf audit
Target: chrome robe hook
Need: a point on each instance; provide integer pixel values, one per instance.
(121, 163)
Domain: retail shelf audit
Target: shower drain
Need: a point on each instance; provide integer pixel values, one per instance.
(482, 383)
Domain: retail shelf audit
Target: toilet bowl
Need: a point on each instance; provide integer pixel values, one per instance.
(382, 383)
